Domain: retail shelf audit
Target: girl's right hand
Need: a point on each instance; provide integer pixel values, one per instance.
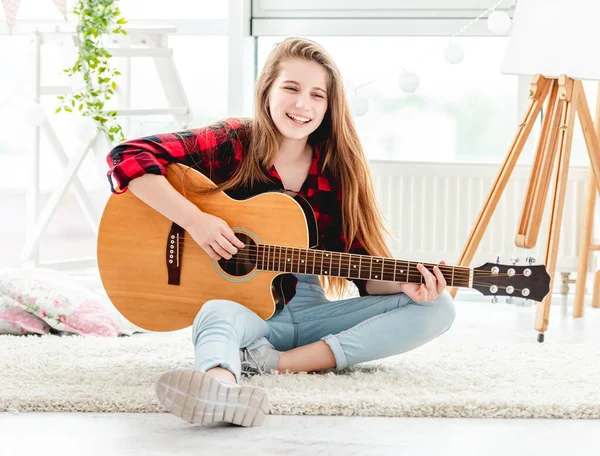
(214, 236)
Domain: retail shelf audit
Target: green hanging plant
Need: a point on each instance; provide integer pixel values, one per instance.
(96, 18)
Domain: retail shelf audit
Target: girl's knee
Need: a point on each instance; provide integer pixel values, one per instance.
(216, 310)
(221, 307)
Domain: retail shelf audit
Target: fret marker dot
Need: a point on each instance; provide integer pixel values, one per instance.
(302, 261)
(289, 259)
(354, 266)
(325, 272)
(401, 271)
(376, 276)
(377, 261)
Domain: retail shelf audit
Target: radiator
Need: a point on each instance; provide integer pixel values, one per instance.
(430, 210)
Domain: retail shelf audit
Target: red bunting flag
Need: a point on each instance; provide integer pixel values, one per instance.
(62, 7)
(10, 11)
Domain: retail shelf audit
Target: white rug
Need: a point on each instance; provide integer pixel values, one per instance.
(441, 379)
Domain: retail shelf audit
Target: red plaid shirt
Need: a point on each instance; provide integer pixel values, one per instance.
(216, 151)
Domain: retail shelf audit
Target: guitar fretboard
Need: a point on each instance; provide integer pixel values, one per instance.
(352, 266)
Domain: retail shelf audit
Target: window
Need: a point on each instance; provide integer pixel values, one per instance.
(460, 113)
(202, 64)
(134, 9)
(174, 9)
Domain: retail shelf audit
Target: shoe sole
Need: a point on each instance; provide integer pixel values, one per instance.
(199, 398)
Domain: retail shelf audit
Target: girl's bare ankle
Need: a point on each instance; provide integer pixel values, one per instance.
(221, 374)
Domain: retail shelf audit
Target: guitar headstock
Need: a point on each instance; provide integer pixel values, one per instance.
(529, 282)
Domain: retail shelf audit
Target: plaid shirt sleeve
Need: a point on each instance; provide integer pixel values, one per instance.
(214, 150)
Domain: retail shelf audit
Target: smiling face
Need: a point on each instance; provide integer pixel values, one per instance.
(298, 98)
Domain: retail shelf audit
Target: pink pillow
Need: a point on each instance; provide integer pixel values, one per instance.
(16, 321)
(56, 299)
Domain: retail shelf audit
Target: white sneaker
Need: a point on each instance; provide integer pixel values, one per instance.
(259, 358)
(200, 398)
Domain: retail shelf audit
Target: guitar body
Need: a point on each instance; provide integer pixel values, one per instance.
(136, 243)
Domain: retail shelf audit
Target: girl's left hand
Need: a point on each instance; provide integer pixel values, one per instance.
(430, 290)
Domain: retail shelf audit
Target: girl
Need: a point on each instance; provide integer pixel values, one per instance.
(302, 138)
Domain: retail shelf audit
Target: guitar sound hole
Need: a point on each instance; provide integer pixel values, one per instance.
(244, 262)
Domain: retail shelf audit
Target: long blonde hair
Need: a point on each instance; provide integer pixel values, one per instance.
(344, 157)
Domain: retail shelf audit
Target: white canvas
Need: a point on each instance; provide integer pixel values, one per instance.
(554, 37)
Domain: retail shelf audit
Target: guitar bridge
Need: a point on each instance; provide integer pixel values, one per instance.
(174, 253)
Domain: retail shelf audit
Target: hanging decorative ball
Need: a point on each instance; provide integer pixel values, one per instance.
(454, 53)
(359, 105)
(499, 23)
(409, 82)
(34, 115)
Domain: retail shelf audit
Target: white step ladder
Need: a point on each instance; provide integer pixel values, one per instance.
(139, 42)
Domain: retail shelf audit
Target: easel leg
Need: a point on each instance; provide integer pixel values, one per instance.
(590, 134)
(584, 247)
(567, 93)
(540, 87)
(596, 295)
(541, 174)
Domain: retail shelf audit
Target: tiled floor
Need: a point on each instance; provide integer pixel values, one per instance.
(153, 434)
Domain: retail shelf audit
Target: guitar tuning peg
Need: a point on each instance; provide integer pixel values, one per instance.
(530, 260)
(510, 300)
(523, 302)
(497, 259)
(514, 260)
(495, 300)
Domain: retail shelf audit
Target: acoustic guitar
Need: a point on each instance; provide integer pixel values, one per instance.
(158, 277)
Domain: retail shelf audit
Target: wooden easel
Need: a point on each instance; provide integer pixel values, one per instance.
(586, 247)
(566, 97)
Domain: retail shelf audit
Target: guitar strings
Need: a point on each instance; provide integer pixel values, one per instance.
(462, 273)
(412, 277)
(387, 269)
(253, 255)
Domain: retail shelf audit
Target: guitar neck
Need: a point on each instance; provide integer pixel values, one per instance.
(353, 266)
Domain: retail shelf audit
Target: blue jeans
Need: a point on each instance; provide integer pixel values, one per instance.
(356, 329)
